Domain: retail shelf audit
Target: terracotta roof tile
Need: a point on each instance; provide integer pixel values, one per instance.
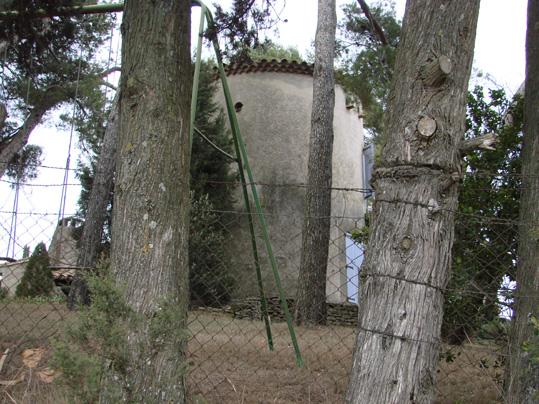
(274, 65)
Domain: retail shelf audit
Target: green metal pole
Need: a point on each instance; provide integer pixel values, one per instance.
(263, 301)
(196, 76)
(243, 153)
(63, 10)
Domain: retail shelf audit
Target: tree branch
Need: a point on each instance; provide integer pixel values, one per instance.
(484, 142)
(107, 84)
(108, 71)
(3, 115)
(376, 28)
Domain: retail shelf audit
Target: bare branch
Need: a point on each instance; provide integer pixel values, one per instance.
(376, 28)
(3, 115)
(109, 71)
(485, 142)
(107, 84)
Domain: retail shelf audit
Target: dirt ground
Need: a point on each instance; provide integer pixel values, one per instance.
(229, 361)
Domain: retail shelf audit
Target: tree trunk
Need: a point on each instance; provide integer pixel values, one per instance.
(151, 194)
(311, 293)
(523, 373)
(409, 251)
(97, 209)
(9, 150)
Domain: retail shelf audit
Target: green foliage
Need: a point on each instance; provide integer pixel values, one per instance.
(367, 64)
(97, 352)
(360, 236)
(209, 279)
(209, 168)
(241, 25)
(485, 247)
(37, 279)
(3, 293)
(24, 165)
(211, 194)
(96, 344)
(270, 50)
(531, 346)
(25, 252)
(168, 325)
(47, 62)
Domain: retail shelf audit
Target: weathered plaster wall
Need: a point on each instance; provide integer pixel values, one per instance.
(275, 123)
(63, 251)
(12, 274)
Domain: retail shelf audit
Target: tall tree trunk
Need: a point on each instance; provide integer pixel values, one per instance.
(311, 293)
(523, 373)
(409, 251)
(96, 214)
(151, 194)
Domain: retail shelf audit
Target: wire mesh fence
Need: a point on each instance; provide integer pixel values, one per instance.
(229, 359)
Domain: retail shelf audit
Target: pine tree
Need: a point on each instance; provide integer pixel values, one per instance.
(37, 279)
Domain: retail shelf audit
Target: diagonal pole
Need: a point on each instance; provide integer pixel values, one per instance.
(242, 153)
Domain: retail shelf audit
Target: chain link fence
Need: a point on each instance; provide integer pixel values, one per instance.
(229, 359)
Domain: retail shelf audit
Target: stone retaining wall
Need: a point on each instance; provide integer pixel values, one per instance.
(344, 314)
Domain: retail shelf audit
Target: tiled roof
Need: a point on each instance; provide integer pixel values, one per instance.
(274, 65)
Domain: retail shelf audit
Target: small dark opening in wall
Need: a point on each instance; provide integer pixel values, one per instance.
(238, 106)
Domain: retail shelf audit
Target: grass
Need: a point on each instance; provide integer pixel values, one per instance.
(229, 361)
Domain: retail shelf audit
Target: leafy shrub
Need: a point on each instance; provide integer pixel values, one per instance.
(3, 293)
(95, 354)
(95, 344)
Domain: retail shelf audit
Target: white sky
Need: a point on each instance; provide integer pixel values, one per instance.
(500, 38)
(499, 52)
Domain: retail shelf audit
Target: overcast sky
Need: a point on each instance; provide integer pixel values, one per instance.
(500, 39)
(499, 52)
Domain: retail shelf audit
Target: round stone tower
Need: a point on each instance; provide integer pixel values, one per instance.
(273, 100)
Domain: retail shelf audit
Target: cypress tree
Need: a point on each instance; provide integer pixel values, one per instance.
(37, 279)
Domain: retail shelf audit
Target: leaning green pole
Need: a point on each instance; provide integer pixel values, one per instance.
(196, 78)
(259, 213)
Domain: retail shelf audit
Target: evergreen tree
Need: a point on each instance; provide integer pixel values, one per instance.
(37, 279)
(211, 195)
(367, 67)
(46, 63)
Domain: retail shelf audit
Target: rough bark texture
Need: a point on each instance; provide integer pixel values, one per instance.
(97, 209)
(409, 250)
(523, 377)
(311, 295)
(151, 195)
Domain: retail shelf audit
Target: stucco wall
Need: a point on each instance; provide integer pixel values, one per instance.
(275, 123)
(12, 274)
(63, 249)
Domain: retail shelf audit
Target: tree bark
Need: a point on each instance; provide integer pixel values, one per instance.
(409, 251)
(151, 195)
(311, 293)
(523, 373)
(96, 214)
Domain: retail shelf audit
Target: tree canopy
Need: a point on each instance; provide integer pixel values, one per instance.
(47, 62)
(367, 64)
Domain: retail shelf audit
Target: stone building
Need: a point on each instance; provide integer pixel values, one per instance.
(63, 253)
(273, 100)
